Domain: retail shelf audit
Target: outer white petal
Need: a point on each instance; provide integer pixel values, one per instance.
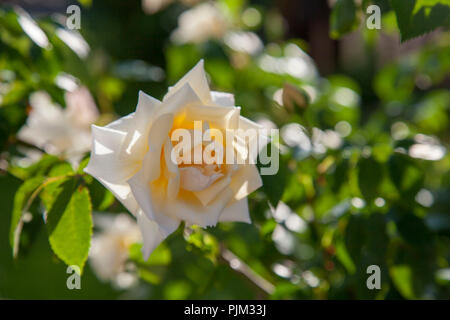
(236, 211)
(184, 97)
(245, 180)
(145, 108)
(105, 162)
(262, 139)
(151, 170)
(246, 124)
(196, 78)
(122, 192)
(223, 99)
(136, 140)
(143, 194)
(152, 234)
(124, 124)
(159, 132)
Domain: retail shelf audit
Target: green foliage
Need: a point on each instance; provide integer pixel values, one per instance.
(417, 17)
(22, 202)
(370, 175)
(275, 185)
(350, 192)
(414, 17)
(344, 18)
(69, 223)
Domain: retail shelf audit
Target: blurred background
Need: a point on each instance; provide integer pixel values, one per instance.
(364, 134)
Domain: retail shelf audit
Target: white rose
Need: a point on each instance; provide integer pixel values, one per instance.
(61, 131)
(201, 23)
(110, 246)
(132, 158)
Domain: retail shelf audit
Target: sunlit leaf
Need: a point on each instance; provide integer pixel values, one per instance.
(70, 224)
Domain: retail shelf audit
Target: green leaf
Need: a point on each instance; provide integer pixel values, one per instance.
(39, 168)
(274, 184)
(83, 164)
(57, 175)
(344, 257)
(417, 17)
(406, 175)
(343, 18)
(412, 228)
(22, 202)
(370, 175)
(355, 237)
(69, 223)
(402, 277)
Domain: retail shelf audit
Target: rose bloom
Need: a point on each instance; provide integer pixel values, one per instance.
(153, 6)
(110, 247)
(132, 157)
(201, 23)
(61, 131)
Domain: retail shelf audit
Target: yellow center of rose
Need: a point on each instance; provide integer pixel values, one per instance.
(193, 176)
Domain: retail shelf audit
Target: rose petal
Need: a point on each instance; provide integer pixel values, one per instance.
(246, 124)
(122, 192)
(105, 162)
(259, 139)
(188, 208)
(236, 211)
(184, 97)
(223, 99)
(81, 107)
(217, 116)
(245, 180)
(152, 233)
(192, 179)
(172, 173)
(196, 78)
(148, 203)
(136, 141)
(208, 194)
(159, 132)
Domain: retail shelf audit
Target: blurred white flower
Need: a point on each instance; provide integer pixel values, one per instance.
(295, 136)
(153, 6)
(241, 41)
(110, 248)
(427, 148)
(295, 62)
(329, 139)
(284, 214)
(346, 97)
(283, 239)
(201, 23)
(61, 131)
